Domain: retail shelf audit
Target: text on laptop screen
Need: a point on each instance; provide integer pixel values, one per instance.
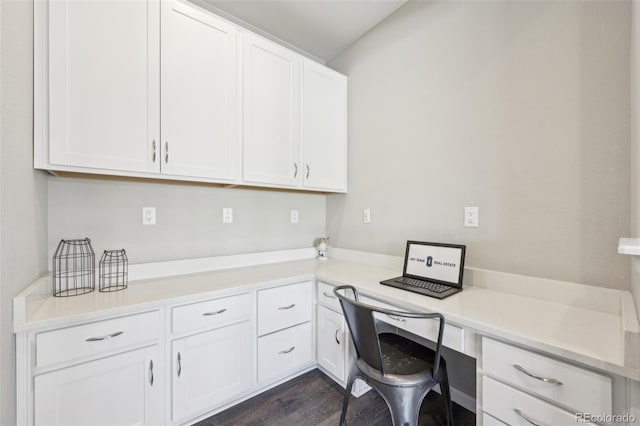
(434, 262)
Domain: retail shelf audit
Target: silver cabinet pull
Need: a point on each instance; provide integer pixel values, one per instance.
(295, 173)
(282, 308)
(166, 152)
(107, 337)
(543, 379)
(396, 318)
(524, 416)
(336, 336)
(330, 296)
(209, 314)
(179, 364)
(308, 170)
(286, 351)
(151, 372)
(153, 144)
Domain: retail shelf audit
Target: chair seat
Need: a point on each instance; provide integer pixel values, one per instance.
(405, 362)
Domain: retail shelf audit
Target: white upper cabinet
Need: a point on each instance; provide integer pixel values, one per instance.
(200, 94)
(271, 141)
(324, 135)
(166, 89)
(96, 87)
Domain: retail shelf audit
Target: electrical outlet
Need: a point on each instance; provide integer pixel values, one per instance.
(294, 216)
(470, 217)
(366, 215)
(148, 215)
(227, 215)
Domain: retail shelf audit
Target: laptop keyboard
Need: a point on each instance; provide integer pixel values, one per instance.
(434, 287)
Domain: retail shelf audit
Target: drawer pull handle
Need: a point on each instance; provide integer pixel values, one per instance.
(151, 372)
(210, 314)
(286, 351)
(543, 379)
(325, 294)
(336, 336)
(525, 417)
(107, 337)
(295, 173)
(282, 308)
(396, 318)
(179, 364)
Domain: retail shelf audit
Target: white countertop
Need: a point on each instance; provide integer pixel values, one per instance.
(589, 336)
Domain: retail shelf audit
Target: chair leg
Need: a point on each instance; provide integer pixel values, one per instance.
(347, 395)
(404, 403)
(446, 398)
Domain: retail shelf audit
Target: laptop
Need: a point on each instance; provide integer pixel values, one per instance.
(432, 269)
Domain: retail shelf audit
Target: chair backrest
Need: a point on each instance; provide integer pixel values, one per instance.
(363, 326)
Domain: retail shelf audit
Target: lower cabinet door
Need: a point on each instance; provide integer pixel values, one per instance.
(331, 342)
(124, 389)
(209, 369)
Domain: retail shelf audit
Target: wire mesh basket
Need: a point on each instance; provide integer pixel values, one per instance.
(113, 270)
(74, 268)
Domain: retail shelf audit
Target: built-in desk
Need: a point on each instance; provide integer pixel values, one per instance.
(592, 328)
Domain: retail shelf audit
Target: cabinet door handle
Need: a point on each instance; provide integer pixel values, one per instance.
(295, 173)
(153, 144)
(166, 152)
(107, 337)
(327, 295)
(179, 364)
(151, 372)
(286, 351)
(543, 379)
(525, 417)
(308, 170)
(209, 314)
(282, 308)
(395, 318)
(336, 336)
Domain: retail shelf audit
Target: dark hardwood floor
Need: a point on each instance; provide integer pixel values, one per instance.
(313, 399)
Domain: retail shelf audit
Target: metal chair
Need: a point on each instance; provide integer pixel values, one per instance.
(400, 370)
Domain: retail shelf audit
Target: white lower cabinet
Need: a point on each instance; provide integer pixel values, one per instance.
(520, 387)
(331, 334)
(284, 352)
(210, 368)
(122, 389)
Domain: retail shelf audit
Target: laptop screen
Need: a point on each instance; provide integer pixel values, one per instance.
(441, 263)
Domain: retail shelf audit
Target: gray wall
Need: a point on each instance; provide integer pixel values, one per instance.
(635, 142)
(23, 191)
(519, 108)
(189, 218)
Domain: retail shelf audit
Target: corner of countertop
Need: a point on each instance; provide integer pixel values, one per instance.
(29, 300)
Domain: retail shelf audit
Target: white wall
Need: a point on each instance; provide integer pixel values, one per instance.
(189, 218)
(519, 108)
(23, 191)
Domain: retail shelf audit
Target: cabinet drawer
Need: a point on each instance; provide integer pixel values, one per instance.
(453, 336)
(513, 407)
(326, 297)
(488, 420)
(95, 338)
(581, 390)
(282, 307)
(211, 313)
(284, 352)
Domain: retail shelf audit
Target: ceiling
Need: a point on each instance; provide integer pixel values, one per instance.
(322, 28)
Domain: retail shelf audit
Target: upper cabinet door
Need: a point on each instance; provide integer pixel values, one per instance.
(271, 113)
(324, 135)
(102, 82)
(200, 94)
